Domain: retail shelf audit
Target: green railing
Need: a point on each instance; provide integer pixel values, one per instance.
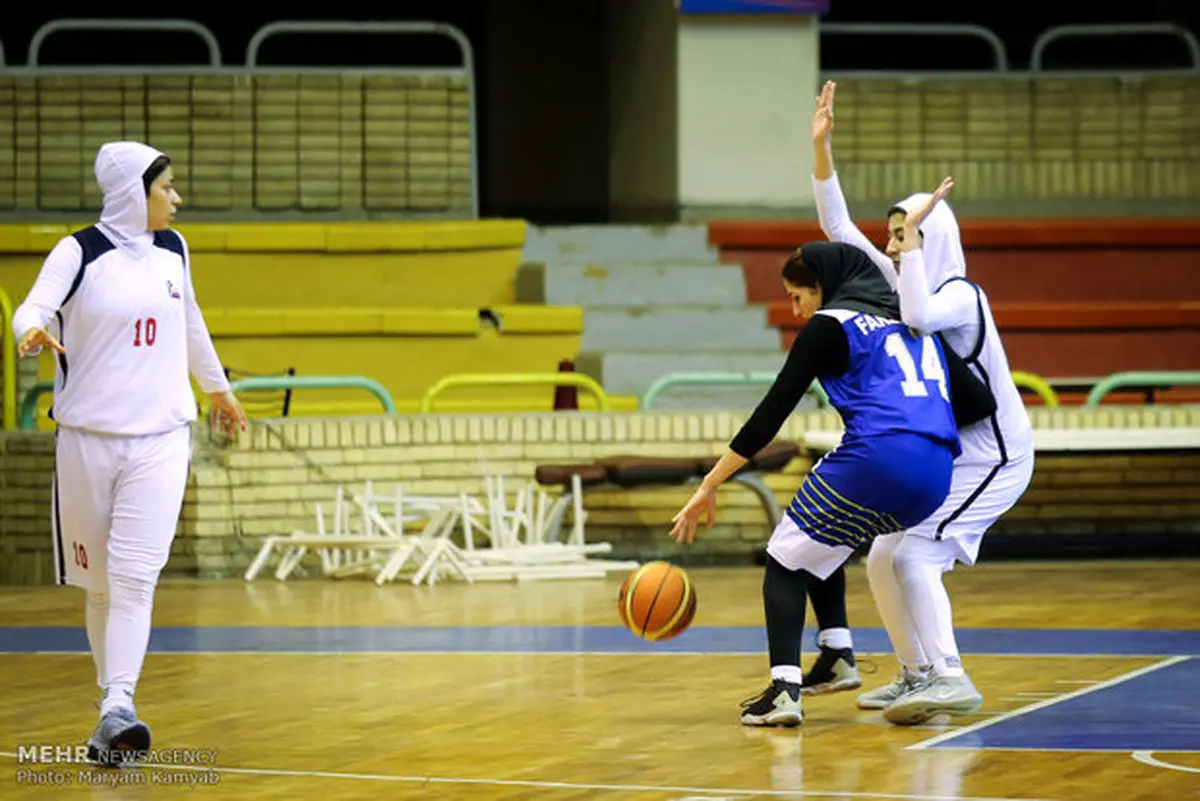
(724, 379)
(1159, 379)
(255, 384)
(10, 364)
(29, 404)
(269, 382)
(584, 382)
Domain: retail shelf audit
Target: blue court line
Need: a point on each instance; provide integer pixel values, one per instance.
(585, 639)
(1158, 710)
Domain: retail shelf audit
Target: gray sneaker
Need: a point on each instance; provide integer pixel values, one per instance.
(834, 671)
(119, 738)
(951, 695)
(879, 698)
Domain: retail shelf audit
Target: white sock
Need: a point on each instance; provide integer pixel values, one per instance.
(920, 563)
(892, 606)
(96, 616)
(789, 673)
(837, 639)
(131, 604)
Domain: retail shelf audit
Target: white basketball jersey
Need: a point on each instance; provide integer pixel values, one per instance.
(124, 323)
(1008, 434)
(121, 301)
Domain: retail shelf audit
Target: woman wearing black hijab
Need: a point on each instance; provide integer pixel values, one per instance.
(891, 388)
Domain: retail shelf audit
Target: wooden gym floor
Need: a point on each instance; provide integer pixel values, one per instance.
(324, 690)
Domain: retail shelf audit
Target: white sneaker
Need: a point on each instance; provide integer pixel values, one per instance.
(881, 697)
(952, 695)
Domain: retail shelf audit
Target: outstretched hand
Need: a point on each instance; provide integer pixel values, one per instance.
(823, 117)
(912, 222)
(702, 503)
(36, 338)
(917, 216)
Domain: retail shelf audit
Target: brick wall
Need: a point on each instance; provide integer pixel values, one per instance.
(270, 481)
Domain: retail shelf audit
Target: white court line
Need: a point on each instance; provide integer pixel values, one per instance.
(1147, 758)
(1025, 710)
(655, 653)
(632, 788)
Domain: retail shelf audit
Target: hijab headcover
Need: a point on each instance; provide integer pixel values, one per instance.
(849, 279)
(942, 246)
(120, 173)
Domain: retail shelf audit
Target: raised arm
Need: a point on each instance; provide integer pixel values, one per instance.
(832, 212)
(953, 305)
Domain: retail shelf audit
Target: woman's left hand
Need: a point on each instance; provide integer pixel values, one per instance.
(703, 502)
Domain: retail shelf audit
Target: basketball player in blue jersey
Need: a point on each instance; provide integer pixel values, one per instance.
(892, 469)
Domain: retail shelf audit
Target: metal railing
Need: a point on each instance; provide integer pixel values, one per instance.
(10, 362)
(122, 25)
(999, 53)
(1038, 385)
(1045, 38)
(443, 179)
(28, 415)
(270, 382)
(1160, 379)
(718, 378)
(579, 380)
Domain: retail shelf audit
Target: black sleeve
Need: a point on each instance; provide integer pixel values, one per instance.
(970, 398)
(820, 349)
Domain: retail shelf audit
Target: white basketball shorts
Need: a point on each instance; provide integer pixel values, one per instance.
(979, 495)
(115, 504)
(792, 547)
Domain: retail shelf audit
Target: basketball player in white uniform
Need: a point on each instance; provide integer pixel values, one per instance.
(127, 331)
(995, 467)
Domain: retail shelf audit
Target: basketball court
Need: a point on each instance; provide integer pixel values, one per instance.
(321, 689)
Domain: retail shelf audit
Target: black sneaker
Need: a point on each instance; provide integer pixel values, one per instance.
(778, 705)
(834, 671)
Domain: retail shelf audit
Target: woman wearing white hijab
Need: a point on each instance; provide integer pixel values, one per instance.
(129, 331)
(905, 570)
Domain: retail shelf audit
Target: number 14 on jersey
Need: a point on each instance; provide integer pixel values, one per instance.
(913, 384)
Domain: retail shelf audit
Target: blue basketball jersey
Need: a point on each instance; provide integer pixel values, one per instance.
(896, 382)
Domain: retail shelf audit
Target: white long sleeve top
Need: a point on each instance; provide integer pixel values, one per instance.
(121, 302)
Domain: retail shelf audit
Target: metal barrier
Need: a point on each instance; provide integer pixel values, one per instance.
(255, 384)
(1121, 29)
(10, 363)
(181, 25)
(999, 53)
(726, 379)
(1037, 384)
(450, 189)
(1161, 379)
(28, 420)
(260, 383)
(584, 382)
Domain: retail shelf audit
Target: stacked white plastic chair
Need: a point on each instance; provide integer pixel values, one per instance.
(394, 534)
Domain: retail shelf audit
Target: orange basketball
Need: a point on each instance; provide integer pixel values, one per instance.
(657, 601)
